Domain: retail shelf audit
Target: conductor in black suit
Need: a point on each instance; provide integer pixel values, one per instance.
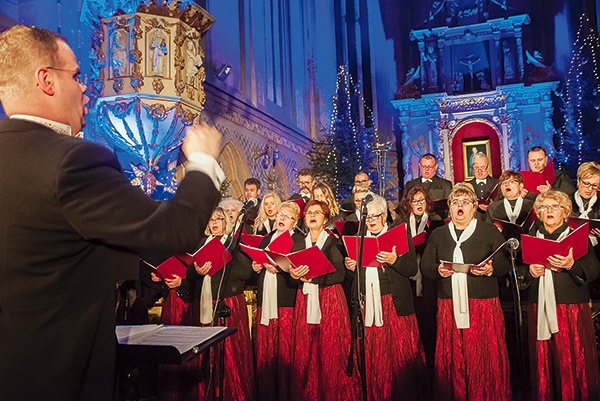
(71, 225)
(482, 183)
(436, 187)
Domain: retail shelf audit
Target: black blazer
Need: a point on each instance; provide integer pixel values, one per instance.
(286, 286)
(485, 240)
(440, 187)
(71, 225)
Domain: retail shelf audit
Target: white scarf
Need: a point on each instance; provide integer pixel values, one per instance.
(460, 293)
(413, 223)
(513, 215)
(313, 307)
(585, 213)
(373, 308)
(547, 321)
(418, 278)
(269, 298)
(206, 312)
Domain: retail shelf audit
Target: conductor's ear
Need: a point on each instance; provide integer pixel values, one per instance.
(45, 81)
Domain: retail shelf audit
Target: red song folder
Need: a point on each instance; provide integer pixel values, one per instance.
(313, 257)
(301, 203)
(420, 238)
(577, 221)
(170, 267)
(397, 237)
(512, 230)
(537, 250)
(282, 244)
(215, 253)
(252, 239)
(531, 180)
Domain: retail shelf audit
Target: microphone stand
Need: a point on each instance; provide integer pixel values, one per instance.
(223, 311)
(518, 313)
(357, 313)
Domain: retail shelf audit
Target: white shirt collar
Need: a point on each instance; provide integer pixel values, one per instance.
(53, 125)
(478, 181)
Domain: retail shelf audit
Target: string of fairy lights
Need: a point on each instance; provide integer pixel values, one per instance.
(574, 92)
(345, 86)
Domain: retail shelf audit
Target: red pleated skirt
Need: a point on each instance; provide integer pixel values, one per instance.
(320, 351)
(175, 311)
(239, 359)
(396, 368)
(472, 364)
(566, 366)
(273, 350)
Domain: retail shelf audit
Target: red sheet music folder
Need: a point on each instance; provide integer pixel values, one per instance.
(215, 253)
(313, 257)
(252, 239)
(537, 250)
(282, 244)
(172, 266)
(577, 221)
(531, 180)
(397, 237)
(512, 230)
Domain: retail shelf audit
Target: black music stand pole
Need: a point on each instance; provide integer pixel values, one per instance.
(518, 313)
(223, 311)
(357, 313)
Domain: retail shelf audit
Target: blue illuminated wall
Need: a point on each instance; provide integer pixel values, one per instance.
(284, 57)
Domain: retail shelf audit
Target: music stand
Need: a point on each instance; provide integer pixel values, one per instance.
(138, 365)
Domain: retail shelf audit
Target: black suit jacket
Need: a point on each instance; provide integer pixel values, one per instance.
(71, 225)
(440, 187)
(483, 192)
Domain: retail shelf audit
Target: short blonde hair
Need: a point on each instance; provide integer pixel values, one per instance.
(462, 189)
(560, 197)
(22, 50)
(588, 170)
(293, 208)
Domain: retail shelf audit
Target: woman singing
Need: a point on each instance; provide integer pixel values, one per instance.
(276, 299)
(395, 362)
(562, 347)
(265, 221)
(321, 337)
(239, 367)
(471, 359)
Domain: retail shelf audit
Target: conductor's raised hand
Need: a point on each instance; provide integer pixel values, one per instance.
(202, 138)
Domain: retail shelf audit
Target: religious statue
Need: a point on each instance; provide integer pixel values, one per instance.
(510, 72)
(483, 83)
(431, 61)
(159, 51)
(193, 62)
(119, 54)
(470, 61)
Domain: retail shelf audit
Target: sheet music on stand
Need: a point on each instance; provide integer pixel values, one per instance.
(183, 338)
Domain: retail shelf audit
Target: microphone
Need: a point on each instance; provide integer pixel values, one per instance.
(513, 243)
(367, 199)
(250, 203)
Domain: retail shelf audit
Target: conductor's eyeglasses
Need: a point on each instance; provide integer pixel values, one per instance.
(76, 73)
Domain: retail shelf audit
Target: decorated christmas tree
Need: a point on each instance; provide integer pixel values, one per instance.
(346, 147)
(579, 139)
